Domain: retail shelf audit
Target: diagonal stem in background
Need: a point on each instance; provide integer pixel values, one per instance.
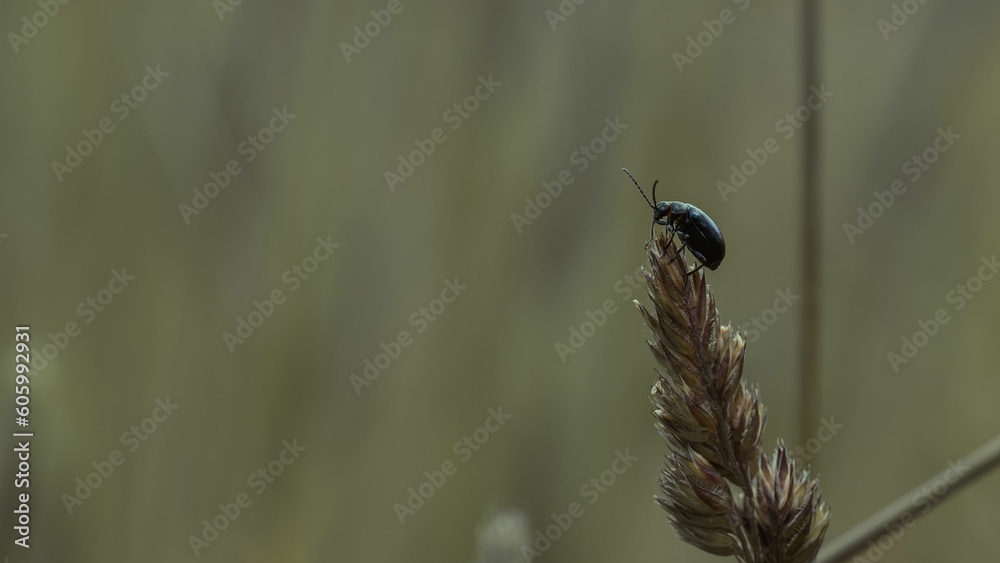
(903, 511)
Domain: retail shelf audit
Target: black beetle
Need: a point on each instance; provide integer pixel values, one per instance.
(696, 230)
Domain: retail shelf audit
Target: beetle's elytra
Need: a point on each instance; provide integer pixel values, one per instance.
(697, 231)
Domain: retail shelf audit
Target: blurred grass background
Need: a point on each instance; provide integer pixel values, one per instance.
(495, 345)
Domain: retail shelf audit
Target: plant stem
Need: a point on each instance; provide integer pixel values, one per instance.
(746, 481)
(809, 398)
(979, 462)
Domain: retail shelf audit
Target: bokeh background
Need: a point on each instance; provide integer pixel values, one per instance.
(495, 346)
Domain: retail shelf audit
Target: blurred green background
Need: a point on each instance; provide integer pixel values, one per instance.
(222, 75)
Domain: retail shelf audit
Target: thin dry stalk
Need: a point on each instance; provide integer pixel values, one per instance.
(722, 494)
(902, 513)
(809, 388)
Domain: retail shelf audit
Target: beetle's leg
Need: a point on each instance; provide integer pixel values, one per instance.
(700, 266)
(677, 226)
(652, 227)
(679, 252)
(670, 229)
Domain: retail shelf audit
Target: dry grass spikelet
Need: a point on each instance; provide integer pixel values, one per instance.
(712, 422)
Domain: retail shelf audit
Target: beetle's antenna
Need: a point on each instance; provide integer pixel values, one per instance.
(634, 181)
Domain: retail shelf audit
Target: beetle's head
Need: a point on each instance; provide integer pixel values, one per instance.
(662, 212)
(665, 211)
